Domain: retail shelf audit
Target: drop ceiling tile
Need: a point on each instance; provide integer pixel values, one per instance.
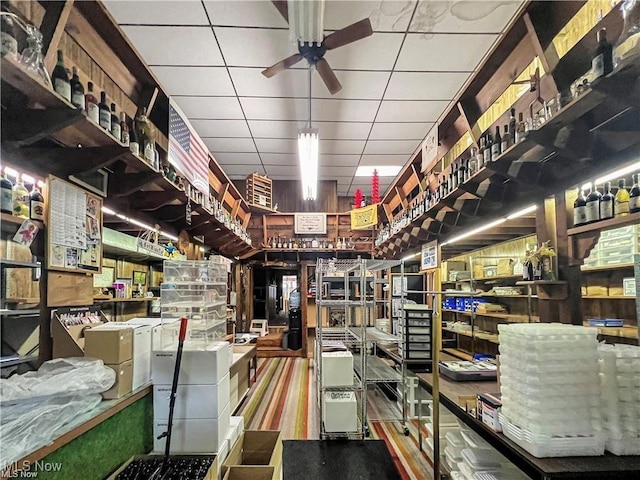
(343, 130)
(297, 109)
(221, 128)
(341, 147)
(185, 12)
(275, 129)
(279, 159)
(232, 160)
(405, 111)
(387, 15)
(379, 160)
(399, 131)
(424, 85)
(175, 45)
(245, 14)
(459, 17)
(269, 146)
(339, 160)
(333, 172)
(344, 110)
(250, 82)
(220, 108)
(443, 52)
(260, 108)
(242, 171)
(195, 80)
(391, 147)
(328, 130)
(219, 145)
(283, 170)
(251, 47)
(377, 52)
(355, 85)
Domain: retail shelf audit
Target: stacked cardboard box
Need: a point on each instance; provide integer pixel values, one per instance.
(113, 344)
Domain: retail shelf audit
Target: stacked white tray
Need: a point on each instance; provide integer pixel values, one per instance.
(550, 389)
(620, 394)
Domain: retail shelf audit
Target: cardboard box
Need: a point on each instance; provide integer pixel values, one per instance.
(505, 267)
(192, 401)
(252, 472)
(488, 408)
(193, 435)
(199, 367)
(451, 266)
(141, 353)
(337, 369)
(112, 345)
(211, 474)
(68, 341)
(340, 412)
(257, 447)
(478, 271)
(124, 379)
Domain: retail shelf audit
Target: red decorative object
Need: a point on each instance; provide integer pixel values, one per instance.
(357, 199)
(375, 187)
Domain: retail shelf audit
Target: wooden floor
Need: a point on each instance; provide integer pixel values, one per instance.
(284, 398)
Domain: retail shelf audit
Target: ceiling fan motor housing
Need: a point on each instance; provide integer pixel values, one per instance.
(313, 52)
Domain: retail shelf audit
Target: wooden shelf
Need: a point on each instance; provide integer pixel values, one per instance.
(12, 219)
(480, 335)
(125, 300)
(497, 277)
(608, 297)
(503, 316)
(456, 352)
(30, 84)
(622, 266)
(610, 224)
(619, 332)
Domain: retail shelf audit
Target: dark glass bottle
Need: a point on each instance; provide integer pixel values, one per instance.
(602, 63)
(497, 144)
(91, 105)
(506, 139)
(6, 194)
(593, 205)
(488, 145)
(512, 127)
(634, 195)
(124, 129)
(607, 201)
(116, 130)
(60, 79)
(36, 202)
(105, 113)
(77, 90)
(580, 209)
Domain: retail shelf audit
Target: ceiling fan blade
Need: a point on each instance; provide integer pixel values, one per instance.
(283, 65)
(328, 77)
(282, 7)
(348, 34)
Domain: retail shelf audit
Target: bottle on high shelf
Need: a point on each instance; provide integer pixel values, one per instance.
(634, 195)
(60, 79)
(512, 127)
(91, 104)
(36, 204)
(105, 113)
(295, 243)
(607, 201)
(116, 129)
(480, 154)
(315, 243)
(290, 243)
(464, 167)
(279, 244)
(520, 129)
(621, 207)
(6, 194)
(602, 63)
(77, 90)
(273, 242)
(20, 197)
(593, 205)
(497, 144)
(506, 139)
(488, 143)
(124, 129)
(471, 163)
(580, 209)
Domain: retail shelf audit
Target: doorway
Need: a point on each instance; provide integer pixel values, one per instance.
(271, 292)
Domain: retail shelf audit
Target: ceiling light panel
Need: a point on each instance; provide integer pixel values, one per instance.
(458, 17)
(189, 12)
(425, 85)
(175, 45)
(440, 52)
(195, 80)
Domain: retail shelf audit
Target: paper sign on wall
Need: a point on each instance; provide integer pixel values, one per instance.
(429, 148)
(365, 217)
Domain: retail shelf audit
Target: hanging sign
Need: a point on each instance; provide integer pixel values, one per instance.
(365, 217)
(306, 223)
(429, 256)
(429, 148)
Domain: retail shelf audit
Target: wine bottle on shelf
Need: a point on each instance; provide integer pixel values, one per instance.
(315, 243)
(634, 195)
(60, 79)
(77, 90)
(520, 129)
(593, 205)
(91, 104)
(105, 113)
(6, 194)
(512, 127)
(124, 129)
(580, 209)
(116, 129)
(621, 206)
(279, 244)
(488, 144)
(464, 171)
(290, 243)
(607, 201)
(497, 144)
(506, 139)
(273, 242)
(480, 154)
(602, 63)
(36, 204)
(20, 197)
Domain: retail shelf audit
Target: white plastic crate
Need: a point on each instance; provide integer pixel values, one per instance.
(194, 271)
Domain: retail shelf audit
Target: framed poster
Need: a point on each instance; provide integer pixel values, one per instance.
(429, 256)
(74, 228)
(396, 285)
(139, 277)
(310, 223)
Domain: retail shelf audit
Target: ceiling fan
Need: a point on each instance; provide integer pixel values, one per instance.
(305, 18)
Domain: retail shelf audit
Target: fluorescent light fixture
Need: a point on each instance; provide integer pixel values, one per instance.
(202, 249)
(616, 174)
(524, 211)
(11, 172)
(306, 20)
(28, 179)
(308, 151)
(168, 235)
(409, 257)
(383, 170)
(138, 223)
(108, 211)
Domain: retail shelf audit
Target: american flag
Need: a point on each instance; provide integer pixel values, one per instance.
(187, 152)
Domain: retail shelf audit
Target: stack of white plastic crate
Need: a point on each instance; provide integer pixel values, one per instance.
(550, 389)
(620, 388)
(195, 290)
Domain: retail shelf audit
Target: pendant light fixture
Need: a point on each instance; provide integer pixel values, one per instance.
(308, 151)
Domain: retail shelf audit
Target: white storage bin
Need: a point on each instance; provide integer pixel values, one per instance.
(204, 271)
(340, 412)
(482, 459)
(192, 401)
(198, 367)
(337, 369)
